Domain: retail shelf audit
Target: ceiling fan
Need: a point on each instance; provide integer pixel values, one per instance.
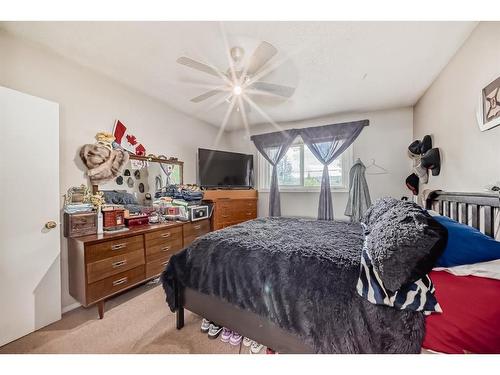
(241, 78)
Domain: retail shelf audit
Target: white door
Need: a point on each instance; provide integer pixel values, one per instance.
(30, 281)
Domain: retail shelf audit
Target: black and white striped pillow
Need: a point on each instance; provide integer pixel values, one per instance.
(416, 296)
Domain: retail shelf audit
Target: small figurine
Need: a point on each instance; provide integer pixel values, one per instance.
(106, 139)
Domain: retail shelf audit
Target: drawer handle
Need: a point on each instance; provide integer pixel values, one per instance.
(225, 215)
(197, 226)
(165, 235)
(166, 248)
(164, 263)
(118, 246)
(119, 264)
(120, 281)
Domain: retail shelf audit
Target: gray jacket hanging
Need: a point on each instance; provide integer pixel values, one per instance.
(359, 195)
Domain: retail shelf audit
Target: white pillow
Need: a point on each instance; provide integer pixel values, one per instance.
(489, 269)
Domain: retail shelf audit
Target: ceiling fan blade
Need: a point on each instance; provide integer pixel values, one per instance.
(245, 105)
(193, 64)
(206, 95)
(285, 91)
(264, 52)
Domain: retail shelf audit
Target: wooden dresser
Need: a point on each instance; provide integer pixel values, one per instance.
(103, 265)
(231, 206)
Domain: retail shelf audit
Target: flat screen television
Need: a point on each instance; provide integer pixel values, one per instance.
(224, 170)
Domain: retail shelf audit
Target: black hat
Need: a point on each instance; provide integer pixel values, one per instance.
(432, 160)
(414, 148)
(426, 144)
(412, 183)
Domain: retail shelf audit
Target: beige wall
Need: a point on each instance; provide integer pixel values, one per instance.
(90, 102)
(385, 140)
(447, 111)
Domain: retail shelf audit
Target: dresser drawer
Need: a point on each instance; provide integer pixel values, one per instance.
(223, 208)
(244, 215)
(243, 204)
(228, 209)
(164, 249)
(155, 268)
(223, 214)
(197, 228)
(111, 266)
(113, 284)
(163, 236)
(244, 210)
(112, 248)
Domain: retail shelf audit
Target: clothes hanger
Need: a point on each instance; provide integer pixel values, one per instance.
(376, 169)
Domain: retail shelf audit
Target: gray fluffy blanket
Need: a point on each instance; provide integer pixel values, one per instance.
(301, 274)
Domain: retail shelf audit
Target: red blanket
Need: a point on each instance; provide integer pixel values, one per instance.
(470, 322)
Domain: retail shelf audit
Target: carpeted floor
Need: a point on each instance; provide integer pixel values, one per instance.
(137, 321)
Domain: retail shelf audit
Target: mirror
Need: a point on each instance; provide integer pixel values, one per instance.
(142, 177)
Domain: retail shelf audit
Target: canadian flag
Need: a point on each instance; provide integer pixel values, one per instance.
(127, 140)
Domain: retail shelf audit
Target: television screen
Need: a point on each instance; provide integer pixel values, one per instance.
(224, 169)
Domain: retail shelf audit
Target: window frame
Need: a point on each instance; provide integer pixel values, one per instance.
(264, 174)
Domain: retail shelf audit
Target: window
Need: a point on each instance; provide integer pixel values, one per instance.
(299, 170)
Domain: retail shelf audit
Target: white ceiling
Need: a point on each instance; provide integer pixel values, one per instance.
(335, 66)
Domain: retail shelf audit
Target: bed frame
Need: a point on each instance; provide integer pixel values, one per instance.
(242, 321)
(478, 210)
(465, 207)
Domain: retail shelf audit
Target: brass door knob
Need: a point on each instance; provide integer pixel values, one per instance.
(50, 224)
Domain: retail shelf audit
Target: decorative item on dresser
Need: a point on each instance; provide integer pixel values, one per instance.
(231, 207)
(79, 224)
(101, 266)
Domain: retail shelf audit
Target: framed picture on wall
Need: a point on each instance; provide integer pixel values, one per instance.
(488, 113)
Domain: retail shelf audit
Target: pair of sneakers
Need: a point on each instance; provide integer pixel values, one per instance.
(212, 329)
(232, 337)
(255, 347)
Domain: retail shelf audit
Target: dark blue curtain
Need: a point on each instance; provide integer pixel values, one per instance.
(273, 146)
(327, 143)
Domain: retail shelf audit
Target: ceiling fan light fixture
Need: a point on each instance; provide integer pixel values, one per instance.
(237, 90)
(242, 77)
(237, 54)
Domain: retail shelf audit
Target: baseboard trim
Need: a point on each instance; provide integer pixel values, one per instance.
(68, 308)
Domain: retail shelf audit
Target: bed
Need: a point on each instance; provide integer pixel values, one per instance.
(398, 331)
(470, 322)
